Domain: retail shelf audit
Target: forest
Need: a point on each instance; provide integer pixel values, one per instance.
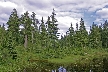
(36, 47)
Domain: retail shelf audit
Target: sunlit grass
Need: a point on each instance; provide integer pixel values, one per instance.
(84, 56)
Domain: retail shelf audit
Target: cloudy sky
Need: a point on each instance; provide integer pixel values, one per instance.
(67, 11)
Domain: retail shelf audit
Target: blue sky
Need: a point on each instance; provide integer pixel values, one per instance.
(67, 11)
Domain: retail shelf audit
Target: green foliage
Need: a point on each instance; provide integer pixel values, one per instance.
(43, 36)
(105, 35)
(52, 30)
(83, 34)
(42, 43)
(13, 26)
(95, 37)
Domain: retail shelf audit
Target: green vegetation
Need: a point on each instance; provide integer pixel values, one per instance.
(36, 46)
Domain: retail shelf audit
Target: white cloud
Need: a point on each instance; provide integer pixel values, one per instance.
(103, 13)
(65, 23)
(67, 10)
(99, 20)
(98, 6)
(7, 4)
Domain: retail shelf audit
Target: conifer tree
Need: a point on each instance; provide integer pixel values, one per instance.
(10, 45)
(26, 21)
(34, 21)
(67, 38)
(54, 28)
(83, 34)
(95, 37)
(105, 35)
(2, 36)
(12, 34)
(77, 37)
(43, 35)
(65, 41)
(49, 30)
(35, 32)
(13, 25)
(71, 35)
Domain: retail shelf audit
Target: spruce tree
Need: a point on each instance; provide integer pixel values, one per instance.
(34, 21)
(83, 34)
(2, 36)
(54, 28)
(26, 21)
(105, 35)
(71, 36)
(43, 36)
(95, 37)
(35, 32)
(77, 37)
(49, 30)
(13, 26)
(12, 34)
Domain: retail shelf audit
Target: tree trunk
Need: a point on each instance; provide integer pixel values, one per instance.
(25, 43)
(32, 38)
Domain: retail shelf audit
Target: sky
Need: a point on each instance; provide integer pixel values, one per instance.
(67, 11)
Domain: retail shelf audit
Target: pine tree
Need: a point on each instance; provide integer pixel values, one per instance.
(67, 38)
(12, 34)
(49, 30)
(71, 35)
(95, 37)
(105, 35)
(65, 41)
(43, 35)
(10, 45)
(13, 26)
(77, 37)
(54, 28)
(26, 21)
(83, 34)
(34, 21)
(2, 36)
(35, 32)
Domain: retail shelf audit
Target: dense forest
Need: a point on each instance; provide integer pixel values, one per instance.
(36, 35)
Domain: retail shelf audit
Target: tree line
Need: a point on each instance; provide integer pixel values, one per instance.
(46, 35)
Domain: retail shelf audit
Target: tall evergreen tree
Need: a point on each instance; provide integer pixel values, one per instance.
(95, 37)
(43, 35)
(105, 35)
(77, 37)
(34, 21)
(13, 25)
(35, 32)
(49, 30)
(2, 36)
(26, 21)
(83, 34)
(52, 29)
(71, 35)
